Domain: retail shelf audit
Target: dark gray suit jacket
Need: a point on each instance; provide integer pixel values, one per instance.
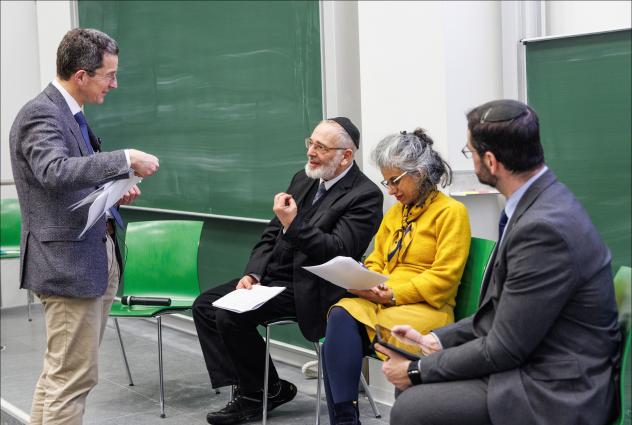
(344, 224)
(546, 330)
(52, 170)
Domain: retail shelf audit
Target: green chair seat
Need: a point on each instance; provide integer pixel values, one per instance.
(10, 227)
(177, 305)
(161, 260)
(9, 252)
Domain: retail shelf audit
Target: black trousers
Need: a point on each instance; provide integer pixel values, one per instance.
(233, 350)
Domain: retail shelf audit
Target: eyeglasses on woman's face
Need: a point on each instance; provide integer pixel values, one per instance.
(393, 181)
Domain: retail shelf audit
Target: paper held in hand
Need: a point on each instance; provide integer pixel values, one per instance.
(347, 273)
(104, 198)
(241, 300)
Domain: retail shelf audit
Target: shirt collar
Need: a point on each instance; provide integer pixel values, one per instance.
(72, 103)
(330, 183)
(512, 201)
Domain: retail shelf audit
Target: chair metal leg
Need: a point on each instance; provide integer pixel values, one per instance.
(376, 411)
(29, 301)
(118, 332)
(162, 388)
(265, 378)
(319, 380)
(266, 374)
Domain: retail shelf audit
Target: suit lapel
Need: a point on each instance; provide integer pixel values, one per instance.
(301, 192)
(57, 98)
(538, 186)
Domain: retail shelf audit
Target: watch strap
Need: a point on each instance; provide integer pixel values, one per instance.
(413, 373)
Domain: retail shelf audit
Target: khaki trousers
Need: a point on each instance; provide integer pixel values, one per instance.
(74, 330)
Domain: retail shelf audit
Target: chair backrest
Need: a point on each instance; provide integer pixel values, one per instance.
(470, 287)
(10, 222)
(623, 291)
(161, 259)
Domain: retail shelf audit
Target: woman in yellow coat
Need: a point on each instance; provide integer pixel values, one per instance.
(421, 245)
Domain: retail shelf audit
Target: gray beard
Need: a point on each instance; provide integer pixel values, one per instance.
(325, 171)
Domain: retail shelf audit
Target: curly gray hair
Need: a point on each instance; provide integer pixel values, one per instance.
(413, 153)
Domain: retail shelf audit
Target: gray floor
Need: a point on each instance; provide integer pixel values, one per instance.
(188, 392)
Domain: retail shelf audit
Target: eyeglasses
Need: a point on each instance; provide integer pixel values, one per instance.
(393, 181)
(111, 77)
(319, 147)
(466, 152)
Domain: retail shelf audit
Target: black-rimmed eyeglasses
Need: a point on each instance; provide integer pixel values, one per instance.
(466, 152)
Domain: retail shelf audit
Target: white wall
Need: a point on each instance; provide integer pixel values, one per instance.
(20, 69)
(54, 19)
(577, 17)
(31, 32)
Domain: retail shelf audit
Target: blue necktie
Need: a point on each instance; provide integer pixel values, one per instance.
(321, 191)
(83, 125)
(501, 225)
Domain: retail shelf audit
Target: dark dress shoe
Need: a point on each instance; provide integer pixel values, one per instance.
(248, 407)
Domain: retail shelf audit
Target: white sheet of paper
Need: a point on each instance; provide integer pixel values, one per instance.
(347, 273)
(241, 300)
(104, 198)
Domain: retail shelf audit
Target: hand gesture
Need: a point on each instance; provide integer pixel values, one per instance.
(429, 342)
(143, 164)
(380, 294)
(395, 368)
(285, 208)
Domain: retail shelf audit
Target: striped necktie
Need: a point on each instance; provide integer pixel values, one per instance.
(319, 194)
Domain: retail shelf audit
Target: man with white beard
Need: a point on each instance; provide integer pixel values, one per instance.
(331, 208)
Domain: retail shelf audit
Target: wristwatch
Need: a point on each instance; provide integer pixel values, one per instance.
(413, 373)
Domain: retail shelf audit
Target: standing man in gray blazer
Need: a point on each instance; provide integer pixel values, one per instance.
(542, 346)
(56, 162)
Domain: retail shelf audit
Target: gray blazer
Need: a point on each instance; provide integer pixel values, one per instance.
(52, 170)
(546, 329)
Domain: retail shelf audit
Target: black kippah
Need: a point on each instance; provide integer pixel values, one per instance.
(501, 110)
(350, 128)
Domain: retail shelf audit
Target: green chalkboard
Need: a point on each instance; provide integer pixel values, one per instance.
(224, 93)
(580, 87)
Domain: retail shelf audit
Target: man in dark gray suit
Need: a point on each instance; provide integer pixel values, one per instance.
(56, 162)
(542, 345)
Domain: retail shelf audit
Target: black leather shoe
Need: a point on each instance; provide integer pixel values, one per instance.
(280, 394)
(248, 407)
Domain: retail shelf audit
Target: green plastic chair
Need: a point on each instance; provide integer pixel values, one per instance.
(161, 260)
(10, 226)
(623, 291)
(470, 287)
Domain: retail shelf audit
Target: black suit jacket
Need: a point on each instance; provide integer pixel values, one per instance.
(344, 224)
(546, 330)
